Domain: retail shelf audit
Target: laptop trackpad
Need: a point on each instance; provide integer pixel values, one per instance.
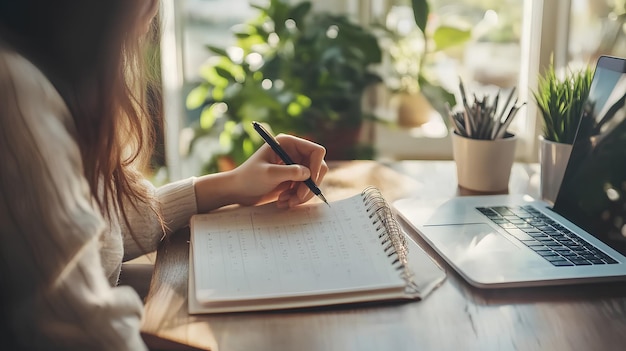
(469, 239)
(477, 251)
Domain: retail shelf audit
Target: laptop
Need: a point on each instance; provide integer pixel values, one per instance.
(497, 241)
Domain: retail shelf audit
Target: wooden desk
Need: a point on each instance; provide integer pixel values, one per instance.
(454, 317)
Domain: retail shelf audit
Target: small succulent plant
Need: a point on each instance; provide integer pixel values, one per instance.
(561, 101)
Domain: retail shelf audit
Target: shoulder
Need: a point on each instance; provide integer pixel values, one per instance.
(31, 109)
(38, 144)
(25, 91)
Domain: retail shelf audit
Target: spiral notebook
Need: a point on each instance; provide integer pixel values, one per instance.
(264, 258)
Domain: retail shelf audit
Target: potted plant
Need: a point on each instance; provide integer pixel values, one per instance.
(561, 101)
(482, 146)
(294, 70)
(415, 90)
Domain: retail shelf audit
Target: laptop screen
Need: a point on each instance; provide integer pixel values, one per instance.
(593, 190)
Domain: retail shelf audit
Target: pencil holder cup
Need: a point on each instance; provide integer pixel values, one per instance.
(484, 165)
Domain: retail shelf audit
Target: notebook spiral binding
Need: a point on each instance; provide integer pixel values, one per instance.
(391, 237)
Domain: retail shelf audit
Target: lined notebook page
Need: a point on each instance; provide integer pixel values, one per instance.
(264, 252)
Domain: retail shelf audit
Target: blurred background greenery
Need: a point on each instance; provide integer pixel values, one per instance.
(313, 67)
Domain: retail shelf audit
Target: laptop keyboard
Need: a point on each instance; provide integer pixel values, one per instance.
(546, 237)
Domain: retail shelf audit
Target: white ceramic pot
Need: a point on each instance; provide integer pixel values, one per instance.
(484, 165)
(553, 158)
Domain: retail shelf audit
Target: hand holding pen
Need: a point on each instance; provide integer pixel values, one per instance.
(284, 156)
(264, 177)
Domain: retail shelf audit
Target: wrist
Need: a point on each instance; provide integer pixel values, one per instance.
(216, 190)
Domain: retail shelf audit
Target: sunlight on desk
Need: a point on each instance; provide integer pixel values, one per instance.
(455, 316)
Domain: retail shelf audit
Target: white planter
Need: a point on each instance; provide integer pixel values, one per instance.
(553, 158)
(484, 165)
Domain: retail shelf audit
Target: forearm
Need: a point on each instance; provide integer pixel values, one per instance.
(216, 190)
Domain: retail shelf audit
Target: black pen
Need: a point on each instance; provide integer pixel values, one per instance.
(273, 143)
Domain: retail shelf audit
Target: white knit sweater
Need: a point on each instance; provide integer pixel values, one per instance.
(59, 259)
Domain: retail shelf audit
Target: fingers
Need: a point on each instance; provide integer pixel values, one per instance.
(268, 169)
(298, 192)
(283, 173)
(287, 199)
(304, 152)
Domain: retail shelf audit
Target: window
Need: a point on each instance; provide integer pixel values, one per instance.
(510, 41)
(486, 62)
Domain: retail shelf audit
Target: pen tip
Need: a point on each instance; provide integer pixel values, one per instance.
(321, 196)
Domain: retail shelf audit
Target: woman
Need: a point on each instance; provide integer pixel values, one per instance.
(72, 204)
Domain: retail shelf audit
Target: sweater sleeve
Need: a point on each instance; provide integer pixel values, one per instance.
(55, 295)
(175, 204)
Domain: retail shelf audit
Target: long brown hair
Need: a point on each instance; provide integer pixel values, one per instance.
(91, 51)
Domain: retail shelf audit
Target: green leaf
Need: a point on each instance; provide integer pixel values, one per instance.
(242, 36)
(437, 96)
(226, 136)
(248, 147)
(561, 102)
(446, 37)
(303, 100)
(243, 30)
(224, 73)
(421, 12)
(294, 109)
(218, 93)
(197, 96)
(216, 50)
(208, 116)
(225, 140)
(209, 73)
